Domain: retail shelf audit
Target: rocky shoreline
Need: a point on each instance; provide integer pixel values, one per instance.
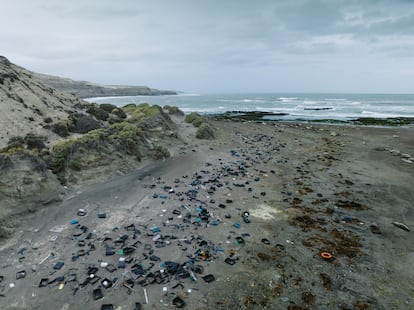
(280, 117)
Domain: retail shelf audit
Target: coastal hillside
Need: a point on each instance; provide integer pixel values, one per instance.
(84, 89)
(51, 141)
(29, 105)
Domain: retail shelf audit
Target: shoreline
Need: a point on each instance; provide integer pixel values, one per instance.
(314, 188)
(300, 106)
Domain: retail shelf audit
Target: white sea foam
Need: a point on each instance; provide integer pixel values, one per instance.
(342, 107)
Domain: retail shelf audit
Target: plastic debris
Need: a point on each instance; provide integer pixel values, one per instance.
(266, 241)
(58, 265)
(401, 225)
(81, 212)
(178, 302)
(209, 278)
(97, 294)
(20, 274)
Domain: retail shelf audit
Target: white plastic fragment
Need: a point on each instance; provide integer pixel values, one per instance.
(145, 295)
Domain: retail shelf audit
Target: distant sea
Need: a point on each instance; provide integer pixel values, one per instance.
(296, 106)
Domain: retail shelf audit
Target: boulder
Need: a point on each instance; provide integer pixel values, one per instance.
(81, 123)
(99, 113)
(107, 107)
(119, 112)
(61, 129)
(34, 142)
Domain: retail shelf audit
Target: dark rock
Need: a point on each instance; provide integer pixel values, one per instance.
(61, 129)
(375, 229)
(108, 107)
(99, 113)
(34, 142)
(119, 112)
(81, 123)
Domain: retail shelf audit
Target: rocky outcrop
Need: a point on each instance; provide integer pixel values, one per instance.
(81, 123)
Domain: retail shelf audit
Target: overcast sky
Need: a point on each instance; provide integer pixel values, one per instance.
(217, 45)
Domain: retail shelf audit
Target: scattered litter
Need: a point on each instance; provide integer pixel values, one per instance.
(155, 230)
(178, 302)
(326, 255)
(146, 296)
(401, 225)
(20, 274)
(230, 261)
(239, 240)
(375, 229)
(266, 241)
(58, 265)
(81, 212)
(44, 259)
(97, 294)
(58, 228)
(44, 282)
(208, 278)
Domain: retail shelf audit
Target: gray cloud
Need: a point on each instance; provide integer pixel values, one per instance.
(216, 45)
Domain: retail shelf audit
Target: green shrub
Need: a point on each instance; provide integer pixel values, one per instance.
(172, 110)
(60, 154)
(190, 118)
(160, 152)
(197, 122)
(205, 131)
(129, 108)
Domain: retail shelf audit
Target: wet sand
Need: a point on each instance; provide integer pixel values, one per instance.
(319, 200)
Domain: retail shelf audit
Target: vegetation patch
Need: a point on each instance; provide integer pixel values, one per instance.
(173, 110)
(18, 144)
(193, 116)
(205, 131)
(122, 137)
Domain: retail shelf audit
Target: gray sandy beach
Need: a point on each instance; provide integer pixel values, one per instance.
(267, 216)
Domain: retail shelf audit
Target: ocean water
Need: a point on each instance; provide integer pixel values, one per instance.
(296, 106)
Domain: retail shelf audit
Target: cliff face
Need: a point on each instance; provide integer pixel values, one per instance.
(28, 105)
(83, 89)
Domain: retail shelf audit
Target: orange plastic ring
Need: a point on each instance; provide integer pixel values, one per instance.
(326, 255)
